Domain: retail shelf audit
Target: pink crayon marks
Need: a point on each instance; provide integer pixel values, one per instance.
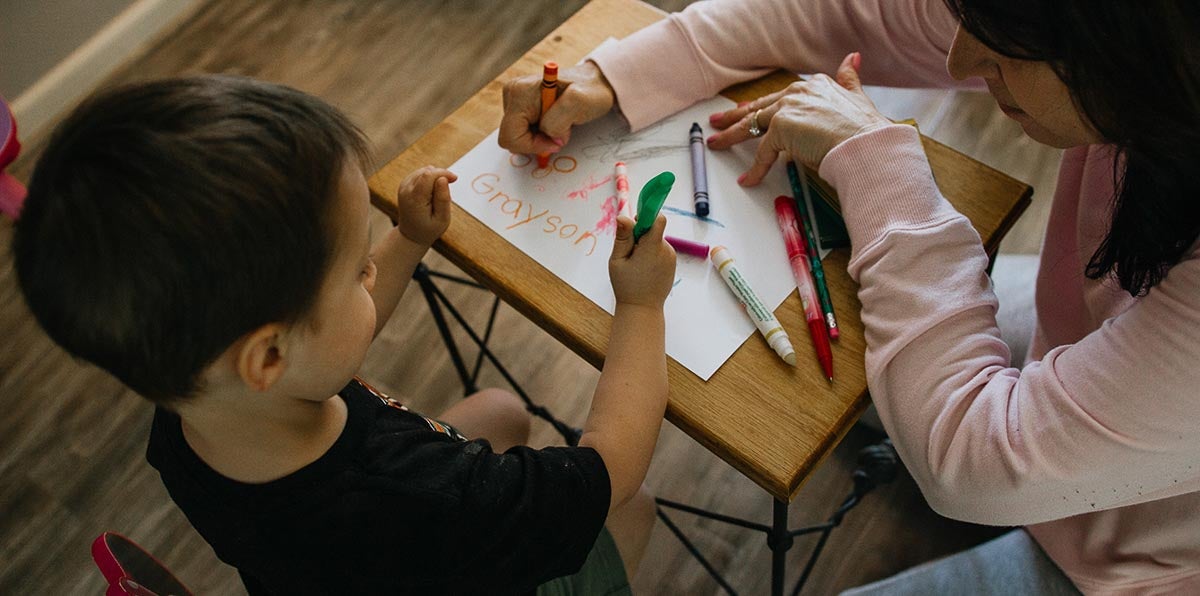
(582, 193)
(608, 216)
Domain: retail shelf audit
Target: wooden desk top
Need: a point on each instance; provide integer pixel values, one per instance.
(772, 422)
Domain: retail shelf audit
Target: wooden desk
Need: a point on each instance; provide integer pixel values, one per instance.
(772, 422)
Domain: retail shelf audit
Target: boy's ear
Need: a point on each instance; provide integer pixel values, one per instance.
(260, 359)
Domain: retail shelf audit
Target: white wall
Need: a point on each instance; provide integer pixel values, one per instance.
(54, 52)
(37, 34)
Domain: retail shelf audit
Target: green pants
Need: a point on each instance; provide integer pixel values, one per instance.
(603, 574)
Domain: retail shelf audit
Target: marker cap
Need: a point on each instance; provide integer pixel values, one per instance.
(783, 346)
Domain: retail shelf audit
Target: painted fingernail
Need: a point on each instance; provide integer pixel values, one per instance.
(741, 179)
(710, 140)
(856, 60)
(715, 118)
(559, 142)
(743, 104)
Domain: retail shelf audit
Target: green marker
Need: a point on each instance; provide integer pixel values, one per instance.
(650, 202)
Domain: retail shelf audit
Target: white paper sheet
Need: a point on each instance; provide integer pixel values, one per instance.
(564, 218)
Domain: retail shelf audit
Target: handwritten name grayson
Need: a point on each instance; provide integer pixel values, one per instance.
(522, 214)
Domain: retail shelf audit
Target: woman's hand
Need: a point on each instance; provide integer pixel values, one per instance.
(583, 95)
(806, 120)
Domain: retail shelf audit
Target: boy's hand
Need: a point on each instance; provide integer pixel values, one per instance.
(642, 273)
(423, 201)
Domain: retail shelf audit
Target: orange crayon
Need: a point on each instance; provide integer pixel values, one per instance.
(549, 94)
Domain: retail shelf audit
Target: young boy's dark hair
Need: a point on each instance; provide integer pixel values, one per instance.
(148, 194)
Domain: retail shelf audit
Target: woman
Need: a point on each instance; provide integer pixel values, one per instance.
(1092, 445)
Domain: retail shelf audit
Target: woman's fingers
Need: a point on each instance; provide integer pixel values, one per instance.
(740, 131)
(583, 95)
(765, 157)
(723, 120)
(574, 106)
(847, 72)
(522, 109)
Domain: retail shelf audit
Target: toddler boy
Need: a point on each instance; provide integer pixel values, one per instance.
(206, 240)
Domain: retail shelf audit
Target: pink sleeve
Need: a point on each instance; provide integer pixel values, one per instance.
(1106, 422)
(694, 54)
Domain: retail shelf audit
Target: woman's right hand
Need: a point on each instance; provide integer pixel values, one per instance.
(806, 120)
(583, 95)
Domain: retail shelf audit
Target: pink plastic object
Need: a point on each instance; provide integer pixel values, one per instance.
(131, 571)
(12, 192)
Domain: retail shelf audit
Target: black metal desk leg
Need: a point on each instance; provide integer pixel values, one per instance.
(440, 304)
(422, 277)
(780, 541)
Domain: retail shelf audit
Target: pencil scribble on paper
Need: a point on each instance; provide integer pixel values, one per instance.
(618, 145)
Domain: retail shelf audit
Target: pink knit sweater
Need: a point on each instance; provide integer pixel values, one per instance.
(1093, 444)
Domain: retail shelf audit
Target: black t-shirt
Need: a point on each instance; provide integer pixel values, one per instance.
(399, 504)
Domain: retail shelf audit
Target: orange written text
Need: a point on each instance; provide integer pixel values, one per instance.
(523, 214)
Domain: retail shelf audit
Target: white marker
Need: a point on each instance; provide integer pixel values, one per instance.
(622, 178)
(762, 316)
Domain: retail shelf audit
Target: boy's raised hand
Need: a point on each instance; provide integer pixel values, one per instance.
(642, 272)
(423, 201)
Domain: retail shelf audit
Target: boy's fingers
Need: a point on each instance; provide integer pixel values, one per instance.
(654, 235)
(423, 187)
(623, 240)
(441, 199)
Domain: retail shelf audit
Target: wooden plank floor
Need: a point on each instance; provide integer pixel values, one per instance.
(72, 438)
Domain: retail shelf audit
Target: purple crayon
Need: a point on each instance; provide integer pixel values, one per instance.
(699, 170)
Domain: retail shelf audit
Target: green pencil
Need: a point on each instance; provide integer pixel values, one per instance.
(800, 190)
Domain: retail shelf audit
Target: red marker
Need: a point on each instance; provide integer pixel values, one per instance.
(797, 249)
(549, 94)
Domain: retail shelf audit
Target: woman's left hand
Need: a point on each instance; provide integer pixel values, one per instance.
(806, 120)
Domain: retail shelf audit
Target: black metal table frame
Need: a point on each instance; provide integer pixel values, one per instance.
(877, 463)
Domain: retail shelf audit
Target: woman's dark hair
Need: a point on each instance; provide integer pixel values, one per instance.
(1133, 69)
(167, 219)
